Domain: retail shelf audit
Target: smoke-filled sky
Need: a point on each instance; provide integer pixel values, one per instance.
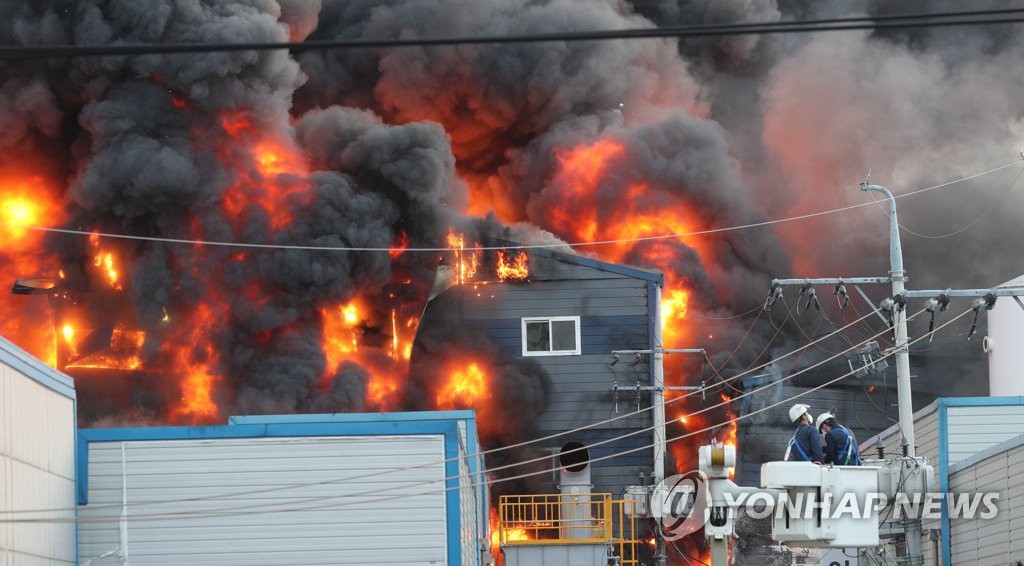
(545, 142)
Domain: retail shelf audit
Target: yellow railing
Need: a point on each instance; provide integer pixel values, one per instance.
(626, 541)
(591, 518)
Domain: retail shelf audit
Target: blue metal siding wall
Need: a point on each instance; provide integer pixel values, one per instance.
(297, 428)
(944, 404)
(615, 305)
(599, 335)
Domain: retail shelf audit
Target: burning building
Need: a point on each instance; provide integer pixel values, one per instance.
(542, 343)
(257, 232)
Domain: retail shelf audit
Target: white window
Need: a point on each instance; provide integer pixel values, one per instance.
(551, 336)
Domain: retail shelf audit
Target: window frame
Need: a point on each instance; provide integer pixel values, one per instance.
(549, 319)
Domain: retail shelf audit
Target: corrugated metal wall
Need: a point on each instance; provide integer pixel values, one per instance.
(293, 512)
(37, 468)
(614, 315)
(926, 435)
(999, 540)
(972, 426)
(973, 429)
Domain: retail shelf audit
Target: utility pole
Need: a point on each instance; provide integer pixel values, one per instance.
(898, 276)
(657, 389)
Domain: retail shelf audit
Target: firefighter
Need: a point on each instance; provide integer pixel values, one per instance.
(840, 443)
(805, 446)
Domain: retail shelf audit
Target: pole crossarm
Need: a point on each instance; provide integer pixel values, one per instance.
(666, 388)
(665, 350)
(832, 281)
(998, 292)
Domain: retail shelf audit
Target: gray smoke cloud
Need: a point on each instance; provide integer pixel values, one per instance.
(401, 143)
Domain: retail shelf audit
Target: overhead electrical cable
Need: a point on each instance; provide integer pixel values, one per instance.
(474, 455)
(895, 21)
(391, 491)
(527, 247)
(491, 470)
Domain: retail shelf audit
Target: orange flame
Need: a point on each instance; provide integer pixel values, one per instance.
(27, 199)
(235, 122)
(197, 366)
(275, 157)
(341, 332)
(197, 402)
(124, 352)
(398, 245)
(465, 387)
(511, 534)
(17, 211)
(512, 265)
(466, 263)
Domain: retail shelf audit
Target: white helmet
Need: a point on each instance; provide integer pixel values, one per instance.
(797, 411)
(822, 418)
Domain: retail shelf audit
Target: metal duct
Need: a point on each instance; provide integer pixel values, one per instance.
(576, 517)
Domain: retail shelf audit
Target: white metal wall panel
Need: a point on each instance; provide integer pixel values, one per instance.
(467, 509)
(37, 470)
(926, 434)
(1005, 336)
(999, 540)
(294, 509)
(973, 429)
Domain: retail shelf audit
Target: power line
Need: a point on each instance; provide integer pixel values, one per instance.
(507, 447)
(984, 213)
(491, 470)
(709, 231)
(261, 508)
(904, 21)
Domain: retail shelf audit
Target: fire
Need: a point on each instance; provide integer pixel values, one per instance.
(123, 353)
(17, 212)
(344, 329)
(516, 534)
(398, 245)
(381, 389)
(25, 201)
(68, 332)
(195, 367)
(235, 122)
(340, 326)
(465, 387)
(512, 265)
(106, 261)
(28, 199)
(197, 402)
(274, 179)
(673, 312)
(466, 263)
(587, 165)
(274, 157)
(512, 533)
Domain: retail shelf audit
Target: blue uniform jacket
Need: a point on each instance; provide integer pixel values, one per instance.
(807, 440)
(836, 445)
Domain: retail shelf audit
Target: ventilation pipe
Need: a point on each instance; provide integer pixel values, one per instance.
(576, 518)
